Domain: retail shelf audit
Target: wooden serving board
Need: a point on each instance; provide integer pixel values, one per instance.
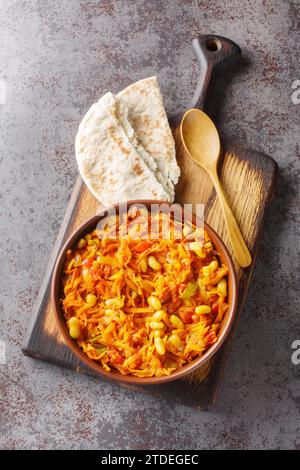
(248, 178)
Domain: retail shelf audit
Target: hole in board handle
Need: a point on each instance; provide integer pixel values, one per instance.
(213, 45)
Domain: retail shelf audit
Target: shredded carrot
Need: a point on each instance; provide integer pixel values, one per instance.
(109, 285)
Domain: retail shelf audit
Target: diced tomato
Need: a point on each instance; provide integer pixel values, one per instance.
(166, 294)
(215, 307)
(186, 316)
(174, 306)
(142, 246)
(118, 359)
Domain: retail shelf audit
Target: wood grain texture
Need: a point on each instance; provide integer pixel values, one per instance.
(248, 178)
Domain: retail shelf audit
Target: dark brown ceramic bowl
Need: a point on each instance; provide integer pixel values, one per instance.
(225, 258)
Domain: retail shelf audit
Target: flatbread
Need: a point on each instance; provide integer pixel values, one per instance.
(108, 162)
(149, 121)
(122, 114)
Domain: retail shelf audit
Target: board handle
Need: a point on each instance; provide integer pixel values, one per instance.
(210, 51)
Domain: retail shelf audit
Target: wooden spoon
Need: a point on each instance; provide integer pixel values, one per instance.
(202, 143)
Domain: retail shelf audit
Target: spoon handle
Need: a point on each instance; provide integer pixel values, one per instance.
(210, 50)
(239, 246)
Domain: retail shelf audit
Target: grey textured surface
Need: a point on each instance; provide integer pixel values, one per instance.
(56, 58)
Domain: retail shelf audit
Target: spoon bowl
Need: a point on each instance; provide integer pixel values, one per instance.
(200, 138)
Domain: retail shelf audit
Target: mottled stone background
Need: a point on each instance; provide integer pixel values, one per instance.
(56, 58)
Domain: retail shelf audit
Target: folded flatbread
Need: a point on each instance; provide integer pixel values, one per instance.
(148, 118)
(109, 163)
(122, 114)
